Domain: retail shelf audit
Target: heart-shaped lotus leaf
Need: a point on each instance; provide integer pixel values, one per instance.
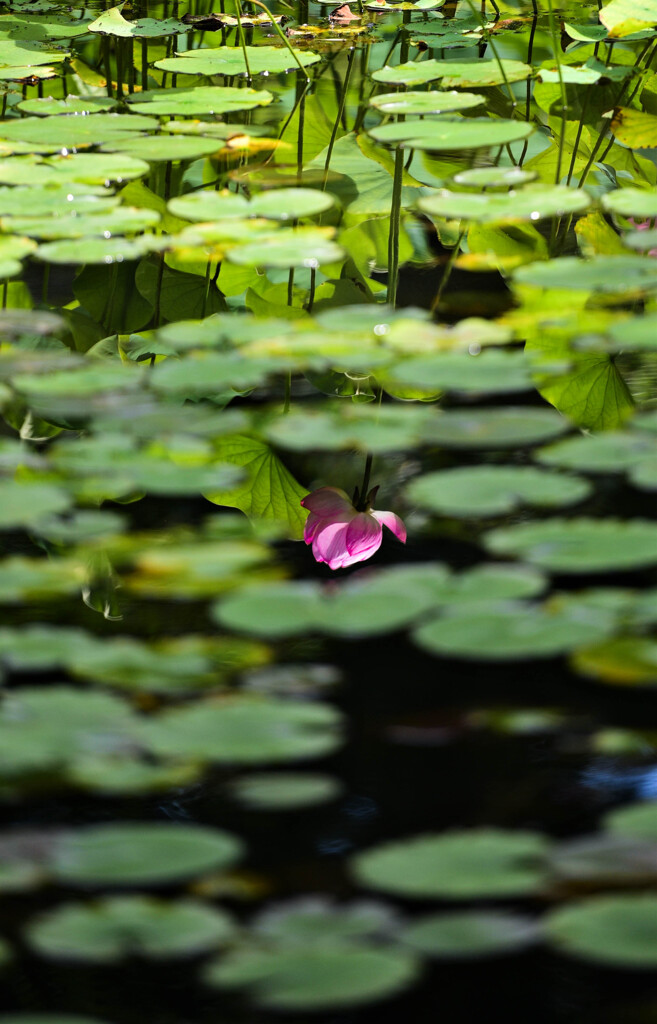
(229, 60)
(470, 491)
(246, 730)
(112, 23)
(113, 929)
(161, 148)
(308, 247)
(135, 853)
(611, 452)
(46, 105)
(447, 133)
(534, 203)
(579, 545)
(490, 371)
(631, 202)
(369, 428)
(481, 863)
(123, 220)
(77, 168)
(470, 934)
(37, 579)
(454, 74)
(284, 791)
(615, 931)
(44, 728)
(200, 99)
(100, 251)
(432, 102)
(622, 661)
(493, 177)
(606, 275)
(321, 978)
(638, 820)
(510, 632)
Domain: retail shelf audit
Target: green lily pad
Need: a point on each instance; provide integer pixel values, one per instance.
(389, 429)
(493, 177)
(472, 864)
(24, 504)
(316, 978)
(123, 775)
(284, 791)
(494, 490)
(610, 452)
(616, 931)
(630, 202)
(470, 934)
(37, 579)
(579, 545)
(76, 168)
(49, 134)
(534, 203)
(512, 631)
(621, 661)
(302, 247)
(47, 105)
(291, 203)
(432, 102)
(161, 148)
(454, 74)
(119, 221)
(229, 60)
(112, 23)
(489, 371)
(604, 275)
(133, 853)
(15, 53)
(55, 201)
(99, 250)
(200, 99)
(446, 133)
(114, 929)
(639, 820)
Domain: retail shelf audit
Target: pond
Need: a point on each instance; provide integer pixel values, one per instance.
(380, 277)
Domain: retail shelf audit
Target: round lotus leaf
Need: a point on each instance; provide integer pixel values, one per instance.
(24, 504)
(99, 250)
(534, 203)
(494, 490)
(77, 168)
(301, 247)
(489, 371)
(472, 864)
(229, 60)
(579, 545)
(642, 241)
(46, 105)
(493, 177)
(509, 632)
(119, 221)
(54, 201)
(90, 378)
(27, 72)
(470, 934)
(291, 203)
(75, 132)
(123, 775)
(29, 52)
(446, 133)
(387, 429)
(432, 102)
(454, 75)
(246, 730)
(622, 661)
(162, 148)
(631, 202)
(617, 930)
(112, 23)
(611, 452)
(504, 427)
(638, 333)
(205, 205)
(132, 853)
(604, 860)
(200, 99)
(639, 821)
(114, 929)
(284, 791)
(314, 978)
(607, 275)
(316, 921)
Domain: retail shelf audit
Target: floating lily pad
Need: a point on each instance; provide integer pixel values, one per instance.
(610, 452)
(162, 148)
(494, 177)
(74, 132)
(638, 820)
(99, 250)
(606, 275)
(631, 202)
(445, 133)
(617, 931)
(454, 75)
(534, 203)
(133, 853)
(284, 791)
(431, 102)
(76, 168)
(314, 978)
(200, 99)
(112, 23)
(243, 730)
(55, 201)
(302, 247)
(24, 504)
(489, 371)
(622, 661)
(46, 105)
(113, 929)
(473, 864)
(120, 221)
(579, 545)
(470, 934)
(494, 490)
(229, 60)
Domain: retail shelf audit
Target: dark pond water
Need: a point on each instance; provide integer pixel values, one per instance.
(395, 261)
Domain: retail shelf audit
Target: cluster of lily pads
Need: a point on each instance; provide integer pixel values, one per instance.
(211, 226)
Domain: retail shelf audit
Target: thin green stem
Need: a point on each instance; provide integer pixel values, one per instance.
(338, 118)
(395, 225)
(447, 272)
(562, 88)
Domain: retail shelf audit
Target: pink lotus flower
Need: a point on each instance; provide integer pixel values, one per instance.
(342, 534)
